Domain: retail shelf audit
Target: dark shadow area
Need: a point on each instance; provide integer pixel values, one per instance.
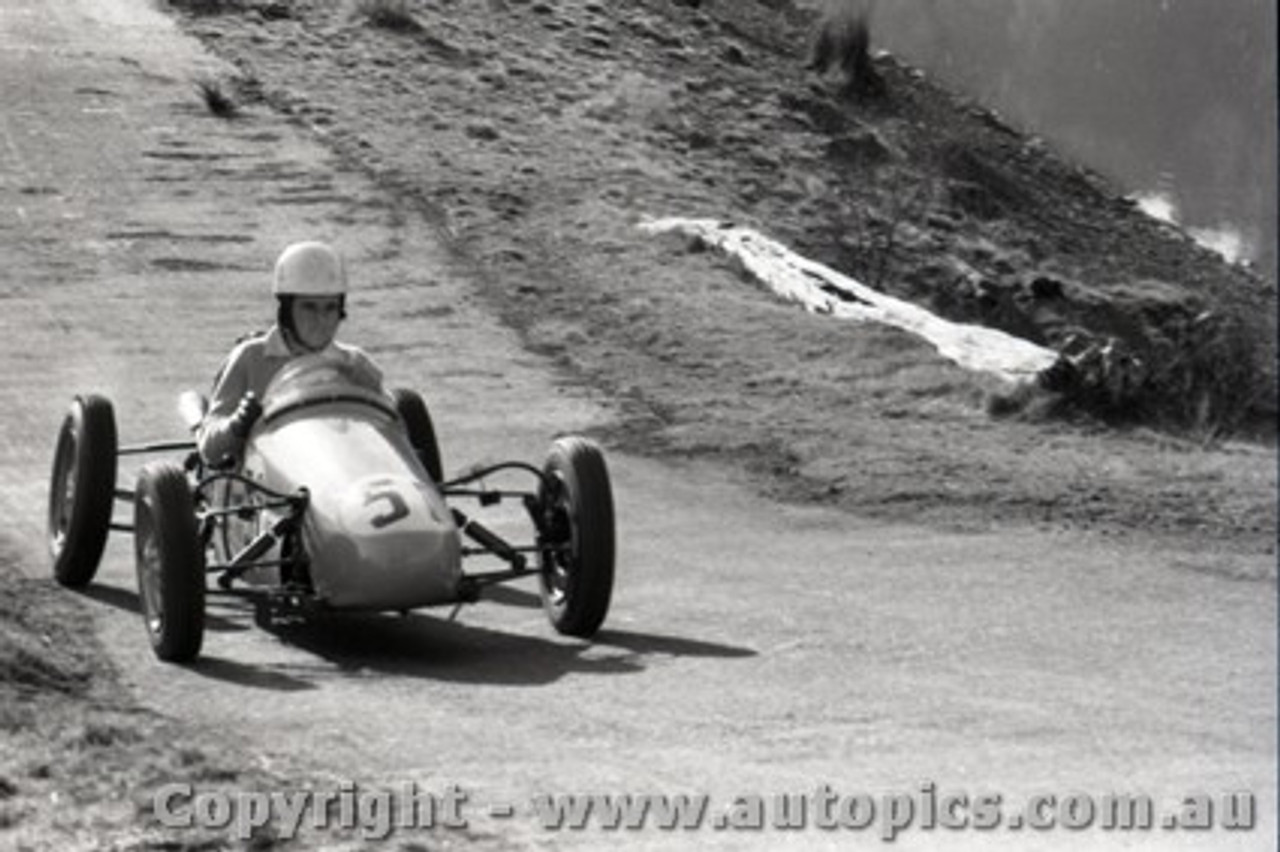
(423, 646)
(129, 601)
(509, 596)
(116, 597)
(241, 674)
(670, 646)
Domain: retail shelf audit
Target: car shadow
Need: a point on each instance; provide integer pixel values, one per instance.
(510, 596)
(651, 644)
(129, 601)
(423, 646)
(242, 674)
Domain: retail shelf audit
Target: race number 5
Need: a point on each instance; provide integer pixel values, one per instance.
(383, 493)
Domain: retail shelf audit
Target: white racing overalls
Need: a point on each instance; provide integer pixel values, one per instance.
(250, 367)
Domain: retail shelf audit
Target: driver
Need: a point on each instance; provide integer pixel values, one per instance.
(310, 286)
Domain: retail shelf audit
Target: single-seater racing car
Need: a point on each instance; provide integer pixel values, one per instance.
(339, 503)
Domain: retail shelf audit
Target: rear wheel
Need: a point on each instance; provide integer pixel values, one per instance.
(578, 563)
(421, 431)
(82, 490)
(170, 562)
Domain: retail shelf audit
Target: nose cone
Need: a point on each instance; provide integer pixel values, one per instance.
(392, 545)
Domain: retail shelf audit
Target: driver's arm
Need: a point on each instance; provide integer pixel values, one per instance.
(215, 437)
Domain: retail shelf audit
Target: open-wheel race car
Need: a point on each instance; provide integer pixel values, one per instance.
(338, 503)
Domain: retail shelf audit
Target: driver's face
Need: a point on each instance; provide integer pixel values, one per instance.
(315, 320)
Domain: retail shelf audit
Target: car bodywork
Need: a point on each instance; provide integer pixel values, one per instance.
(372, 509)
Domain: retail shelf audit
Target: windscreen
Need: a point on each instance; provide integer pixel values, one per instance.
(321, 378)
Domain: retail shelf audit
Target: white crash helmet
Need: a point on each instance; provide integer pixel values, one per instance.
(309, 269)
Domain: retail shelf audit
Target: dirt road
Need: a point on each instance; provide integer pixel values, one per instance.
(752, 649)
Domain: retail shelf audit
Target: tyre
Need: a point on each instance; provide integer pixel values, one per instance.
(422, 432)
(82, 490)
(170, 562)
(577, 568)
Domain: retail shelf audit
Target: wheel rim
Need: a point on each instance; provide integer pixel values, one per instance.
(149, 573)
(63, 490)
(560, 562)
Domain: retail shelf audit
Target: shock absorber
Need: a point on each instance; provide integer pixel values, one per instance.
(489, 540)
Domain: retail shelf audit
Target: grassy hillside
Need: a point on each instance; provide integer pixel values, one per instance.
(539, 133)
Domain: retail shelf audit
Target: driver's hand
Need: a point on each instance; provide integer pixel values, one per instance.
(245, 415)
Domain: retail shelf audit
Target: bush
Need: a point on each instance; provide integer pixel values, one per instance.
(1208, 376)
(842, 40)
(216, 99)
(1202, 379)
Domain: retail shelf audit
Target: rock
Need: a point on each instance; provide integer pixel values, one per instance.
(483, 132)
(1045, 288)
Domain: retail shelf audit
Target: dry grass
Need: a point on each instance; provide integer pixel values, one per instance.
(39, 648)
(701, 364)
(70, 733)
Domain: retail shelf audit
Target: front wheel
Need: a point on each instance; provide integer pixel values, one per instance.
(82, 490)
(578, 537)
(170, 562)
(421, 431)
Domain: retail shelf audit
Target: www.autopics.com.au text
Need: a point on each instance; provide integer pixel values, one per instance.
(377, 813)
